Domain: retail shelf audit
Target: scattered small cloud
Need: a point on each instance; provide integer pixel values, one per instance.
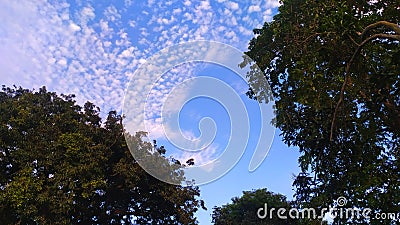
(74, 27)
(232, 5)
(254, 8)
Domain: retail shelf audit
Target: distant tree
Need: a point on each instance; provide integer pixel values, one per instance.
(60, 165)
(244, 210)
(334, 71)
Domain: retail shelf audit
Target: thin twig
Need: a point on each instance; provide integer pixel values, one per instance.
(315, 34)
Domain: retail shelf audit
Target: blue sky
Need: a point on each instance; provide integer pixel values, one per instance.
(93, 48)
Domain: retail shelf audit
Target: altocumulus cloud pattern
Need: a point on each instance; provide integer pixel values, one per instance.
(92, 48)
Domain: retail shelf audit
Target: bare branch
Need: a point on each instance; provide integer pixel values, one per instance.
(352, 40)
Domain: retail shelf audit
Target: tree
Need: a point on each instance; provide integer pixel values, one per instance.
(334, 71)
(245, 210)
(61, 165)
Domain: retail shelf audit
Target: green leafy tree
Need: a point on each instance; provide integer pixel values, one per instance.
(334, 71)
(59, 164)
(244, 210)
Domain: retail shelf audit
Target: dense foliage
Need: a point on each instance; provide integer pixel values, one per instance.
(334, 71)
(59, 164)
(244, 210)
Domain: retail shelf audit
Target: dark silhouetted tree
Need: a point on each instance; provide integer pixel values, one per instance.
(244, 210)
(334, 71)
(60, 165)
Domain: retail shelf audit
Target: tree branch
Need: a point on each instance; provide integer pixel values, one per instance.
(393, 26)
(347, 70)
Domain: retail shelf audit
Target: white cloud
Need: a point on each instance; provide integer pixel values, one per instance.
(112, 14)
(132, 23)
(62, 62)
(74, 27)
(188, 16)
(254, 8)
(166, 20)
(87, 14)
(267, 15)
(127, 53)
(176, 11)
(233, 21)
(233, 5)
(272, 4)
(204, 5)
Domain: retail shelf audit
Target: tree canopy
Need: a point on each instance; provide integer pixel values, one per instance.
(244, 210)
(61, 165)
(334, 71)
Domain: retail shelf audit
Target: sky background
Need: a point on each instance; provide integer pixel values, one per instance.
(93, 48)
